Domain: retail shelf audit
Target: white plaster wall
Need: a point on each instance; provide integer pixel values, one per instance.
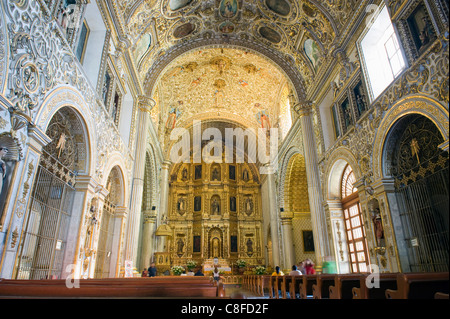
(96, 40)
(326, 115)
(126, 115)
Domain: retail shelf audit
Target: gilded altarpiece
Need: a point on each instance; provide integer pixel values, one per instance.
(215, 212)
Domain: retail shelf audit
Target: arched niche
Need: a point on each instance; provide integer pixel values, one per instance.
(417, 168)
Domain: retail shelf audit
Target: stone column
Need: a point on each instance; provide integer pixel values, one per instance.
(120, 220)
(273, 211)
(148, 233)
(321, 240)
(289, 254)
(145, 104)
(164, 199)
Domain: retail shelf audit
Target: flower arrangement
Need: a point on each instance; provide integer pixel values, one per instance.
(191, 264)
(241, 263)
(260, 270)
(177, 270)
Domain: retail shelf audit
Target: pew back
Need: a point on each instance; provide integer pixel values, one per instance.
(419, 285)
(201, 287)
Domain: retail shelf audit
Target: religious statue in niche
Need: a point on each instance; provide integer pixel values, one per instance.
(184, 174)
(180, 247)
(91, 222)
(249, 247)
(215, 207)
(233, 204)
(215, 175)
(374, 211)
(181, 205)
(198, 172)
(245, 176)
(61, 143)
(248, 206)
(216, 248)
(3, 152)
(197, 203)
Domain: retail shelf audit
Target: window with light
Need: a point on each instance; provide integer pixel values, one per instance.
(354, 224)
(381, 54)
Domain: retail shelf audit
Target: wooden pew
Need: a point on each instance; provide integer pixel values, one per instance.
(385, 281)
(274, 286)
(245, 280)
(278, 282)
(321, 288)
(193, 287)
(305, 286)
(419, 286)
(254, 283)
(294, 286)
(264, 283)
(440, 295)
(343, 286)
(285, 286)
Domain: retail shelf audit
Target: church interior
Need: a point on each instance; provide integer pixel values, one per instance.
(238, 135)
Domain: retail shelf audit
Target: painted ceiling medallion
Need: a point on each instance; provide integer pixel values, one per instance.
(280, 7)
(270, 34)
(183, 30)
(226, 27)
(178, 4)
(228, 8)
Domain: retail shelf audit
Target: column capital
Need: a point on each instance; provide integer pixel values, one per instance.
(121, 212)
(166, 164)
(286, 217)
(303, 108)
(145, 103)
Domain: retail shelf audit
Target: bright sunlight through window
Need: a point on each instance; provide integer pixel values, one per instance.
(382, 54)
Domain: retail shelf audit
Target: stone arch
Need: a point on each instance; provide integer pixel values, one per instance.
(150, 178)
(296, 184)
(209, 40)
(116, 162)
(282, 176)
(333, 174)
(421, 105)
(68, 97)
(416, 205)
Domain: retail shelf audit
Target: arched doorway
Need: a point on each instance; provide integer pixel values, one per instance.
(47, 223)
(421, 180)
(107, 246)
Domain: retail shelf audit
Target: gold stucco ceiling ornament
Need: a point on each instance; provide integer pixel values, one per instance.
(220, 63)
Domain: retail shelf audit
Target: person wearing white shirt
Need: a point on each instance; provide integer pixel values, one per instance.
(295, 272)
